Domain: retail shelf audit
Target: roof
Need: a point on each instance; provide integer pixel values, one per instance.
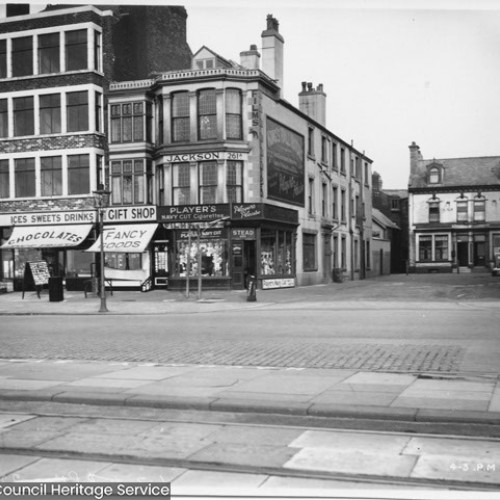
(479, 171)
(383, 220)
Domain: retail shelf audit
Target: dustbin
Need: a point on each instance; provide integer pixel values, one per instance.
(56, 293)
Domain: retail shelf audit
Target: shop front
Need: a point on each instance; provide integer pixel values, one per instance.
(224, 244)
(58, 238)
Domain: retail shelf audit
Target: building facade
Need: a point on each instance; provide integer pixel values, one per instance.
(454, 212)
(213, 175)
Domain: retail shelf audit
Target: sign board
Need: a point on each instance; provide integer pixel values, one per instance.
(130, 214)
(207, 156)
(244, 233)
(192, 213)
(278, 283)
(49, 217)
(39, 272)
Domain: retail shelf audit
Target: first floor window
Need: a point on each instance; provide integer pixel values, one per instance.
(3, 58)
(77, 111)
(24, 123)
(462, 211)
(208, 182)
(234, 182)
(479, 210)
(309, 251)
(51, 176)
(22, 56)
(48, 53)
(425, 248)
(24, 177)
(233, 114)
(4, 179)
(50, 114)
(180, 117)
(434, 211)
(76, 50)
(4, 129)
(128, 178)
(181, 184)
(207, 114)
(78, 174)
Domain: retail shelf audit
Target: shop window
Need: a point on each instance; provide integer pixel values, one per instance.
(181, 184)
(22, 56)
(24, 177)
(462, 210)
(51, 176)
(214, 257)
(284, 254)
(180, 117)
(479, 210)
(50, 114)
(77, 111)
(78, 174)
(4, 122)
(48, 53)
(309, 251)
(76, 50)
(267, 252)
(3, 58)
(97, 51)
(207, 114)
(208, 182)
(4, 179)
(234, 181)
(128, 182)
(233, 114)
(425, 248)
(441, 247)
(434, 211)
(79, 262)
(124, 261)
(24, 123)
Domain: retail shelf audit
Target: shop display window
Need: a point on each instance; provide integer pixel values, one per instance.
(214, 258)
(276, 254)
(123, 261)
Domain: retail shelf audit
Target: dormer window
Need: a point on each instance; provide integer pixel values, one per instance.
(434, 173)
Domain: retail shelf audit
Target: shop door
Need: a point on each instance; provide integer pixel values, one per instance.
(463, 253)
(160, 249)
(479, 253)
(237, 261)
(249, 261)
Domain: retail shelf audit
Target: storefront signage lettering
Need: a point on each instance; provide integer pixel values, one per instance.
(192, 213)
(116, 239)
(123, 214)
(278, 283)
(44, 218)
(204, 234)
(46, 238)
(208, 156)
(247, 211)
(243, 234)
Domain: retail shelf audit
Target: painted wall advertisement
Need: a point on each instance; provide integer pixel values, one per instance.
(285, 164)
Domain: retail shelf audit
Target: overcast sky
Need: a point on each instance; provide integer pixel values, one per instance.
(394, 71)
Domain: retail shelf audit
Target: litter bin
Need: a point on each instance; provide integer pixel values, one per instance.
(251, 293)
(56, 293)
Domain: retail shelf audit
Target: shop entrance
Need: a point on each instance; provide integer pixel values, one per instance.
(243, 262)
(463, 253)
(479, 253)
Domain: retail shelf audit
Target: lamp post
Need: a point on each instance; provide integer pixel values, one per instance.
(101, 198)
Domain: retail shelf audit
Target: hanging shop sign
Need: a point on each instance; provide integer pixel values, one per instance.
(207, 156)
(48, 217)
(244, 233)
(278, 283)
(130, 214)
(192, 213)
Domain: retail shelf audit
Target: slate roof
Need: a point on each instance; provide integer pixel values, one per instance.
(383, 220)
(458, 172)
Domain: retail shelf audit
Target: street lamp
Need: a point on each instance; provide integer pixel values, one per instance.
(101, 200)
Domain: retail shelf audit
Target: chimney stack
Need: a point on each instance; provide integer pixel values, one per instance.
(272, 51)
(250, 59)
(312, 102)
(415, 156)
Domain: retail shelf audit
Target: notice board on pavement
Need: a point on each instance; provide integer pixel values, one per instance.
(36, 274)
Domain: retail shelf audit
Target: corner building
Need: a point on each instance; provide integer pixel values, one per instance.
(244, 183)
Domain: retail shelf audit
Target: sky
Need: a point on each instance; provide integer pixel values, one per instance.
(394, 71)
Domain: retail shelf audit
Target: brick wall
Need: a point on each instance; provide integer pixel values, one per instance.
(41, 204)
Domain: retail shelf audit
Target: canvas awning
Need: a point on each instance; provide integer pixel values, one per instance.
(57, 236)
(126, 238)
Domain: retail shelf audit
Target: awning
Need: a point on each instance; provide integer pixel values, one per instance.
(133, 238)
(47, 236)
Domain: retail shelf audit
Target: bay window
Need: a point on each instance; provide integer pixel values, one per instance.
(78, 174)
(48, 53)
(51, 176)
(77, 111)
(181, 184)
(233, 114)
(180, 117)
(50, 114)
(24, 123)
(207, 114)
(76, 50)
(22, 56)
(3, 58)
(234, 181)
(208, 182)
(425, 248)
(24, 177)
(4, 179)
(4, 128)
(130, 122)
(130, 181)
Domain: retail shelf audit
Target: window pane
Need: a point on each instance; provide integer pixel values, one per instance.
(22, 56)
(51, 176)
(50, 114)
(25, 177)
(78, 111)
(4, 179)
(3, 118)
(207, 114)
(48, 53)
(441, 247)
(78, 174)
(76, 50)
(3, 59)
(425, 248)
(23, 116)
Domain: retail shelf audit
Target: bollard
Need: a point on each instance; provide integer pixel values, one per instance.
(251, 292)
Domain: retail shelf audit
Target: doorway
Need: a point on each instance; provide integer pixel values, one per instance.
(243, 262)
(463, 253)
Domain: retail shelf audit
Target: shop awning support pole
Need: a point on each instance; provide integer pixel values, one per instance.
(199, 264)
(188, 261)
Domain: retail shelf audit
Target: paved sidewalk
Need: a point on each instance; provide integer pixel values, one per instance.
(302, 392)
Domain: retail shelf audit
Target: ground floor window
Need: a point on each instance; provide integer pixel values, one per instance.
(309, 251)
(433, 247)
(214, 256)
(123, 261)
(276, 252)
